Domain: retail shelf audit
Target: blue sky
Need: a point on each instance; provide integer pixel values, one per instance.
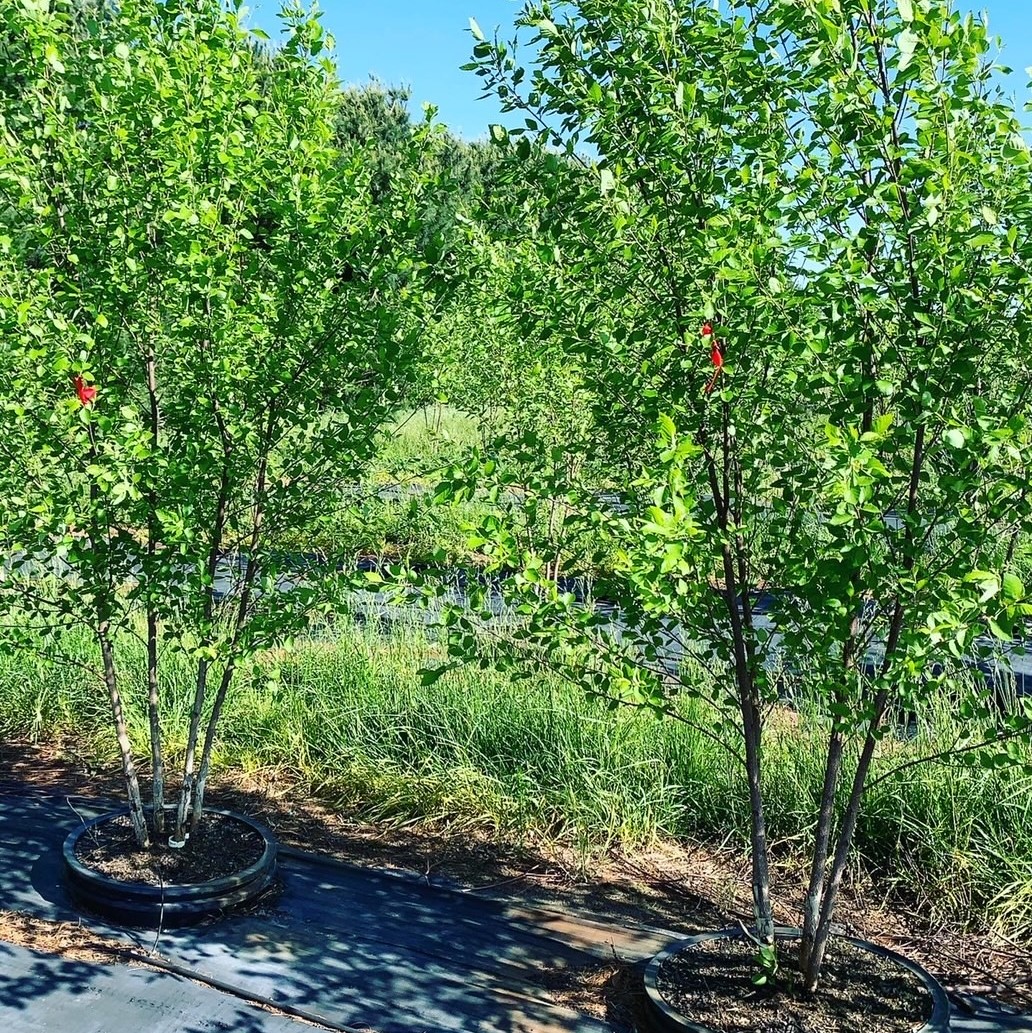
(422, 43)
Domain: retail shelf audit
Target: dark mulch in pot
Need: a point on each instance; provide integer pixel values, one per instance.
(221, 846)
(711, 984)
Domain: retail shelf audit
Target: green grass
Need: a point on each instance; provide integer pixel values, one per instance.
(411, 453)
(537, 759)
(421, 442)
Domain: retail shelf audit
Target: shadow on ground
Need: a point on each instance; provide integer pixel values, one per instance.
(613, 889)
(351, 945)
(39, 993)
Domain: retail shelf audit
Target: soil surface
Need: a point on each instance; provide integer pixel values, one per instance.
(221, 846)
(712, 984)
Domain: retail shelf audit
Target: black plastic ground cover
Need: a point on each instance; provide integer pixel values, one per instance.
(351, 947)
(42, 993)
(669, 1019)
(983, 1017)
(137, 904)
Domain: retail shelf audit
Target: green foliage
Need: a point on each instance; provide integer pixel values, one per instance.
(208, 318)
(248, 277)
(470, 182)
(835, 196)
(766, 965)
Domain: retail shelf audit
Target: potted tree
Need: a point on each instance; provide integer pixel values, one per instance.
(786, 246)
(208, 318)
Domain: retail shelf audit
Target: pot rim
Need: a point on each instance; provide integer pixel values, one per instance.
(136, 889)
(671, 1019)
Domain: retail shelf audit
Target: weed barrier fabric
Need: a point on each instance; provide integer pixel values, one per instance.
(973, 1014)
(42, 993)
(357, 947)
(354, 947)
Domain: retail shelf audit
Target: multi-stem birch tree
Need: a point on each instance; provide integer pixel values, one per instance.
(207, 318)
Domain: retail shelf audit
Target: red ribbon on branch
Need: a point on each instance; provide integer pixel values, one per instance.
(716, 355)
(87, 395)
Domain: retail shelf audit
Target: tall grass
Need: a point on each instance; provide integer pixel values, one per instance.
(536, 758)
(421, 442)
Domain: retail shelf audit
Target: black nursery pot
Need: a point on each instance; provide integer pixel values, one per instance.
(143, 905)
(668, 1018)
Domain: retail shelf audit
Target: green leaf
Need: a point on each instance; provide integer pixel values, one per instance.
(53, 58)
(671, 557)
(122, 51)
(907, 43)
(955, 437)
(475, 29)
(1013, 587)
(906, 10)
(429, 675)
(998, 631)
